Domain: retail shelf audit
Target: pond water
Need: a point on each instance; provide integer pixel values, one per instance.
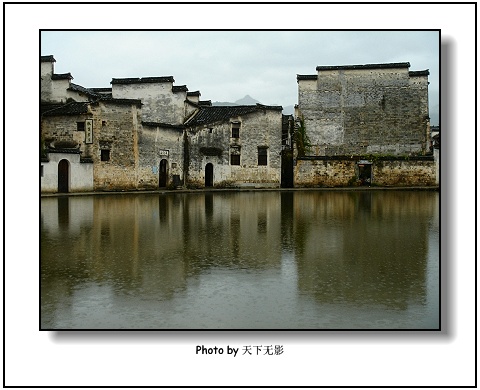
(241, 260)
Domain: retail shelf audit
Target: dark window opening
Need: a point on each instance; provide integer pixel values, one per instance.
(235, 130)
(105, 155)
(80, 126)
(262, 156)
(41, 170)
(365, 173)
(234, 159)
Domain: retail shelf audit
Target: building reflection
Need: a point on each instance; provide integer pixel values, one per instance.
(355, 247)
(363, 247)
(151, 244)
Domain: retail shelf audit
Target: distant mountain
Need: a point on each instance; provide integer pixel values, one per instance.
(288, 110)
(246, 101)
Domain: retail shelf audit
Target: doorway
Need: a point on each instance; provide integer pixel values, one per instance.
(63, 176)
(163, 173)
(365, 173)
(286, 178)
(209, 175)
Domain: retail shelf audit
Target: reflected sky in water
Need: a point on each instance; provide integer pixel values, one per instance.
(241, 260)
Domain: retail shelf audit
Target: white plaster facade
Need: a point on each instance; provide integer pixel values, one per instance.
(162, 102)
(80, 174)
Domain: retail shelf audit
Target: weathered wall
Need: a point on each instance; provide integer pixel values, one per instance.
(260, 129)
(362, 111)
(64, 128)
(115, 128)
(160, 103)
(325, 172)
(80, 174)
(155, 143)
(46, 72)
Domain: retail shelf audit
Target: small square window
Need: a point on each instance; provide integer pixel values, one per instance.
(234, 159)
(262, 156)
(80, 126)
(105, 155)
(235, 130)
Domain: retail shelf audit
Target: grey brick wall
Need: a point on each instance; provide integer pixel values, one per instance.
(363, 111)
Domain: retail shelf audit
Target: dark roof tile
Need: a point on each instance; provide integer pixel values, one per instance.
(72, 108)
(137, 80)
(79, 88)
(366, 66)
(62, 76)
(164, 125)
(307, 77)
(418, 73)
(212, 114)
(179, 88)
(47, 59)
(109, 99)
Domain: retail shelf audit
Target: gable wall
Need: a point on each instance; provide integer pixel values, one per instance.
(160, 104)
(360, 111)
(153, 145)
(115, 127)
(262, 128)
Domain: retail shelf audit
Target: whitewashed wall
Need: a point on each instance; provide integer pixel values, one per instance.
(80, 174)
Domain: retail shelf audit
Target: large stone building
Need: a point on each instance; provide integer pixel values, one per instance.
(146, 133)
(366, 123)
(355, 124)
(234, 145)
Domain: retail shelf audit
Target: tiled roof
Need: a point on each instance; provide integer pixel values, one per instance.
(366, 66)
(306, 77)
(44, 107)
(138, 80)
(109, 99)
(47, 59)
(194, 93)
(418, 73)
(165, 125)
(72, 108)
(62, 76)
(214, 114)
(179, 88)
(79, 88)
(101, 90)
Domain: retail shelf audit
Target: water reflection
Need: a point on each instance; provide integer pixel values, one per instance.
(277, 260)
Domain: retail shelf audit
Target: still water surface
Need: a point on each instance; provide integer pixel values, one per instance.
(241, 260)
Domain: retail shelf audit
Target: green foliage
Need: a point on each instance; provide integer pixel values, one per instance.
(171, 186)
(301, 139)
(353, 182)
(194, 185)
(43, 151)
(225, 184)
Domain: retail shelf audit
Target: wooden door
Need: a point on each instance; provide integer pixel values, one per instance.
(63, 176)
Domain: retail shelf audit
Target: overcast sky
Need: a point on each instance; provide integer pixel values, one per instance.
(227, 65)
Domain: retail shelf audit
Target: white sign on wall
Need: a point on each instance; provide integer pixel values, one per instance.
(163, 152)
(89, 131)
